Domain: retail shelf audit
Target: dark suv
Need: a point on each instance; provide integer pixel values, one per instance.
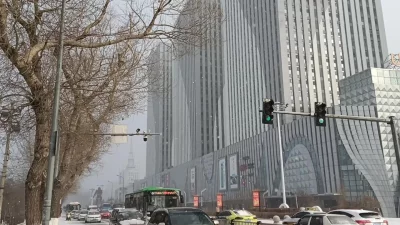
(180, 216)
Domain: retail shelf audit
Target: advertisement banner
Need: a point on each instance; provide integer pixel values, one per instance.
(193, 179)
(219, 200)
(233, 172)
(256, 198)
(196, 201)
(222, 174)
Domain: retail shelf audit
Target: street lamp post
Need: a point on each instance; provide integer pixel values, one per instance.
(280, 106)
(54, 126)
(91, 195)
(112, 190)
(10, 128)
(201, 196)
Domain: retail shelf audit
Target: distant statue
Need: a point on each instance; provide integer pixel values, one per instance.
(98, 193)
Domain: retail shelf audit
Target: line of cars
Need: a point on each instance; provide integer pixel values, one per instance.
(90, 215)
(166, 216)
(340, 216)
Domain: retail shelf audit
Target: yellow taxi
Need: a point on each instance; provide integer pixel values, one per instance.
(239, 215)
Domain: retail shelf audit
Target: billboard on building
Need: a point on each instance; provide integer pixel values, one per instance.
(233, 172)
(222, 173)
(193, 179)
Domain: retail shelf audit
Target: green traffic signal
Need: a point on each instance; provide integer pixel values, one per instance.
(321, 120)
(268, 118)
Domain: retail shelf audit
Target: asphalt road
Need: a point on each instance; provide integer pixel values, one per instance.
(62, 221)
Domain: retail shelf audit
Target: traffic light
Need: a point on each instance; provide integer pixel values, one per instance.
(320, 114)
(267, 112)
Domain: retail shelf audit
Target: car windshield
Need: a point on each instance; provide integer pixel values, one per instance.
(243, 213)
(341, 220)
(93, 213)
(84, 212)
(164, 201)
(105, 211)
(132, 215)
(192, 218)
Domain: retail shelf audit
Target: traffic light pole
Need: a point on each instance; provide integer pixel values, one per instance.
(282, 163)
(372, 119)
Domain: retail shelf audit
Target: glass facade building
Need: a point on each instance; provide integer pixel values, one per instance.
(295, 52)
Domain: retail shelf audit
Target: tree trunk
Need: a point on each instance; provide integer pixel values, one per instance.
(33, 204)
(36, 180)
(55, 202)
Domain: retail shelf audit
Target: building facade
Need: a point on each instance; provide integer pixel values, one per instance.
(381, 88)
(344, 158)
(294, 52)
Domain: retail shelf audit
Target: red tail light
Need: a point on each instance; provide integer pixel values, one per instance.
(387, 222)
(363, 222)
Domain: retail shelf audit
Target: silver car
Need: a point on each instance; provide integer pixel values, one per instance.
(361, 216)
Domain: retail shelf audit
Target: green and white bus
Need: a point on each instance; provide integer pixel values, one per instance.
(150, 198)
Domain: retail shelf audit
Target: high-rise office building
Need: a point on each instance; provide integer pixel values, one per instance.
(293, 51)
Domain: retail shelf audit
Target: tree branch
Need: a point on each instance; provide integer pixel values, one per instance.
(95, 23)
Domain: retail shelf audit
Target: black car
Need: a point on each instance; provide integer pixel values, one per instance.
(119, 215)
(180, 216)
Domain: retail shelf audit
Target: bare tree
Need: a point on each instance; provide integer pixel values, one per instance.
(103, 72)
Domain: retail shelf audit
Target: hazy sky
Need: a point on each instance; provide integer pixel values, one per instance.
(391, 9)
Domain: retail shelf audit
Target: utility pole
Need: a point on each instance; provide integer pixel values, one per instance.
(6, 159)
(54, 126)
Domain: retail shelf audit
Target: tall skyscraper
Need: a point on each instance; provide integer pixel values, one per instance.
(293, 51)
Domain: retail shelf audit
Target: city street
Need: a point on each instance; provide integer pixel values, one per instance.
(62, 221)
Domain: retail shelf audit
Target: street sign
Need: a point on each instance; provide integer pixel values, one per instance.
(119, 129)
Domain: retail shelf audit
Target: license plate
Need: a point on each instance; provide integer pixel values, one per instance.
(377, 223)
(250, 221)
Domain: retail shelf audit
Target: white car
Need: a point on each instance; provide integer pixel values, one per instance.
(362, 216)
(297, 216)
(93, 216)
(82, 214)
